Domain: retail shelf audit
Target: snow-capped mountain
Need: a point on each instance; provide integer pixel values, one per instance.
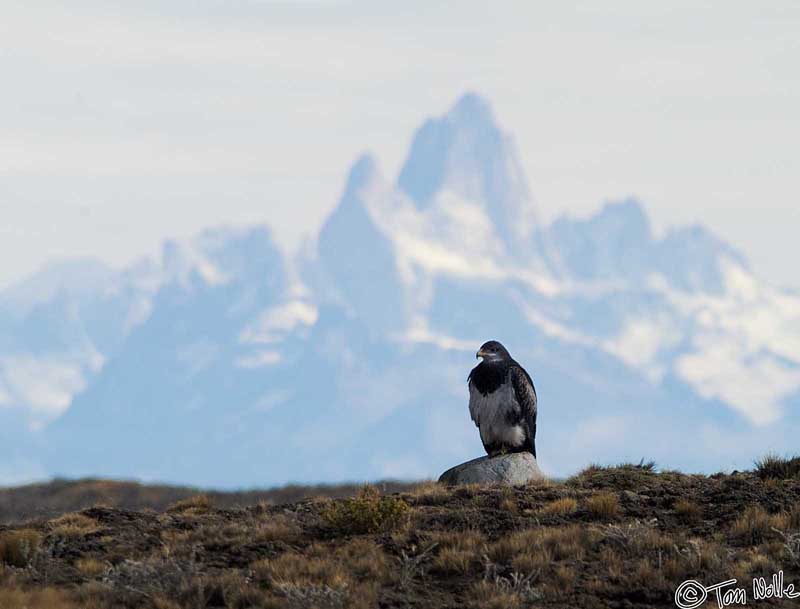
(226, 364)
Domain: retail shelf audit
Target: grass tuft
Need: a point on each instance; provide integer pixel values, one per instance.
(603, 505)
(755, 526)
(559, 507)
(73, 525)
(199, 504)
(91, 567)
(773, 467)
(625, 476)
(17, 548)
(687, 511)
(459, 551)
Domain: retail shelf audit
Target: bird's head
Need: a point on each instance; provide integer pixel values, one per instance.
(493, 351)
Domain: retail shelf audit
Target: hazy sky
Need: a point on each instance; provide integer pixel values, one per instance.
(125, 123)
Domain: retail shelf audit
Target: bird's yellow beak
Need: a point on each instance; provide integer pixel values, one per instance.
(481, 353)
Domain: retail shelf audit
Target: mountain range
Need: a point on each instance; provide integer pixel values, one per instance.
(227, 363)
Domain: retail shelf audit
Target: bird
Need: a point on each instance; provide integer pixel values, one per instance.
(502, 402)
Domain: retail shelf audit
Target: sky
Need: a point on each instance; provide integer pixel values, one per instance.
(122, 124)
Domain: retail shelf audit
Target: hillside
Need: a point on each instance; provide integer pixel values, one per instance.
(52, 499)
(608, 537)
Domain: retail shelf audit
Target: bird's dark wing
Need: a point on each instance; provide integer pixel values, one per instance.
(525, 393)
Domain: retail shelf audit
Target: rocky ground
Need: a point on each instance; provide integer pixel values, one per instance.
(622, 537)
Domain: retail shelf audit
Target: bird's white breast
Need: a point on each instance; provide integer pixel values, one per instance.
(491, 414)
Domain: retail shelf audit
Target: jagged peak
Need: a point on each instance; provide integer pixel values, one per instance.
(472, 109)
(626, 214)
(466, 140)
(702, 242)
(467, 154)
(362, 172)
(622, 216)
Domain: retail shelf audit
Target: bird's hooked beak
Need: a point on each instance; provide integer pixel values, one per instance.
(481, 353)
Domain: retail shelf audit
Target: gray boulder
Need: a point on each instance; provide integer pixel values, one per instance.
(513, 469)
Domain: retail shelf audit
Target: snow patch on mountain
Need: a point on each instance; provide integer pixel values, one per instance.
(273, 324)
(46, 384)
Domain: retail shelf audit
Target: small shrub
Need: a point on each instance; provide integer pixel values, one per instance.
(368, 512)
(17, 548)
(775, 467)
(559, 507)
(603, 506)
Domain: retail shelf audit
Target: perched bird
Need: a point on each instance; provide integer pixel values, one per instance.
(502, 402)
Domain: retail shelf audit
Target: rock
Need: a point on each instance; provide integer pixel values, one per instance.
(512, 469)
(631, 496)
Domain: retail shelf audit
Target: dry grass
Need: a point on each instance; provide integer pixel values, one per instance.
(311, 568)
(459, 551)
(793, 519)
(687, 511)
(73, 525)
(509, 504)
(43, 598)
(364, 559)
(91, 567)
(17, 548)
(534, 551)
(556, 546)
(612, 559)
(637, 538)
(647, 575)
(560, 507)
(756, 526)
(348, 578)
(625, 476)
(488, 595)
(430, 493)
(277, 528)
(603, 505)
(199, 504)
(753, 564)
